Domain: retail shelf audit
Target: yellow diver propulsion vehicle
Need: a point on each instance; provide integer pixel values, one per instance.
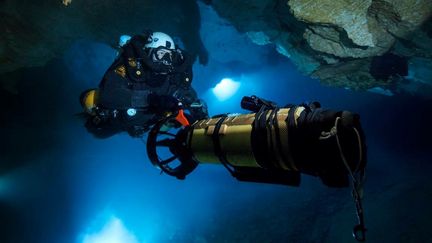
(270, 145)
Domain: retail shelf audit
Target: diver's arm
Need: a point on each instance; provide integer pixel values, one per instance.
(183, 62)
(134, 47)
(191, 102)
(185, 93)
(100, 128)
(160, 104)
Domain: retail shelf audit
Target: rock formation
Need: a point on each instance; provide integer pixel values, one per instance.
(344, 43)
(34, 32)
(336, 41)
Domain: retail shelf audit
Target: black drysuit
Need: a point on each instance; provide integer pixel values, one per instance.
(135, 91)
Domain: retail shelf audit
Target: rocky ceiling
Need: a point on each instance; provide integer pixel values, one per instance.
(37, 31)
(357, 44)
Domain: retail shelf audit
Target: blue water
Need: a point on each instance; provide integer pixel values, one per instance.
(63, 185)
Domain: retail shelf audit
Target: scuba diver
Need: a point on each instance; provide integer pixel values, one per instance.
(148, 87)
(150, 79)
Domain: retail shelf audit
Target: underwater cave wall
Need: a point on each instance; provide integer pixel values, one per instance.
(342, 43)
(338, 41)
(38, 31)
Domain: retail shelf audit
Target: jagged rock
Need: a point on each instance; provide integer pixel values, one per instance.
(359, 28)
(36, 32)
(330, 41)
(319, 36)
(350, 16)
(270, 21)
(339, 75)
(336, 40)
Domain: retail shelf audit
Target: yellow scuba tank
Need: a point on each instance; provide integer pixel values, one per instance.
(88, 100)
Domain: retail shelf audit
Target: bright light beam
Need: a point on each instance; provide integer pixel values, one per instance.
(225, 89)
(113, 232)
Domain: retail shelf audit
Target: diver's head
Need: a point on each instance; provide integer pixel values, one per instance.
(160, 47)
(159, 39)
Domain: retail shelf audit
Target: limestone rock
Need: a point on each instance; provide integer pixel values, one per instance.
(34, 32)
(328, 40)
(370, 26)
(336, 40)
(350, 16)
(332, 40)
(339, 75)
(270, 22)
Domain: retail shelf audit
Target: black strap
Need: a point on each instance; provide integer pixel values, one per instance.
(217, 146)
(261, 150)
(272, 160)
(293, 133)
(275, 124)
(259, 137)
(291, 117)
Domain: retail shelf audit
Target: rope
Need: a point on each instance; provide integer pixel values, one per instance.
(341, 152)
(359, 230)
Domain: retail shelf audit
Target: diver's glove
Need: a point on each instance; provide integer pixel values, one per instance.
(160, 104)
(98, 116)
(198, 110)
(134, 48)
